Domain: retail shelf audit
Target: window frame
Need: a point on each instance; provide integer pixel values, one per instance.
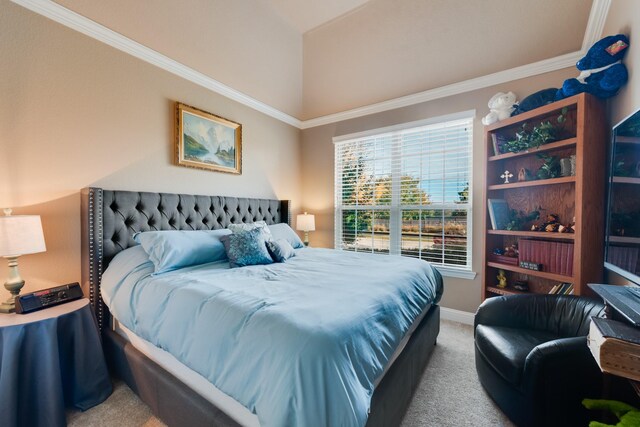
(395, 207)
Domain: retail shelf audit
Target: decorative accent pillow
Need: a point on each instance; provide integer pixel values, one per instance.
(283, 231)
(173, 249)
(246, 248)
(280, 250)
(241, 228)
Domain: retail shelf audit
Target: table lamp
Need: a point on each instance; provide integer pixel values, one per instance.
(306, 223)
(19, 235)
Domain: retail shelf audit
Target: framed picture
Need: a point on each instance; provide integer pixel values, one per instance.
(207, 141)
(498, 213)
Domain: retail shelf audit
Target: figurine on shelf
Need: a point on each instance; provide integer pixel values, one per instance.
(550, 225)
(498, 251)
(502, 279)
(512, 251)
(506, 175)
(524, 175)
(521, 285)
(569, 228)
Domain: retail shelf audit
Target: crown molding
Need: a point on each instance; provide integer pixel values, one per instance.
(86, 26)
(595, 25)
(540, 67)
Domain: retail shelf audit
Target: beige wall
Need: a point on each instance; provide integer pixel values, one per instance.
(75, 113)
(624, 17)
(243, 44)
(389, 48)
(318, 167)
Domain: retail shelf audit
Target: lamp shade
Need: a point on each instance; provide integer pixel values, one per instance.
(306, 222)
(21, 235)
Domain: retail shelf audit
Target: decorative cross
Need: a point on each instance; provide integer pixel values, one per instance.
(506, 175)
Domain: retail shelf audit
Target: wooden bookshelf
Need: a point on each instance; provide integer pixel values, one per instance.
(585, 136)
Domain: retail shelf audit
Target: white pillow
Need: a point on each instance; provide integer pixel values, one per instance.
(241, 228)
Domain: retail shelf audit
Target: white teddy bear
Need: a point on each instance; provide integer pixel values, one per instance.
(501, 105)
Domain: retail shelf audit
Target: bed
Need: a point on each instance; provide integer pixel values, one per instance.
(180, 388)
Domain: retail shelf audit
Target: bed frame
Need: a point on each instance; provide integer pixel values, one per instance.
(109, 220)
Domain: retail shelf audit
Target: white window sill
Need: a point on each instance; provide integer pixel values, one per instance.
(456, 272)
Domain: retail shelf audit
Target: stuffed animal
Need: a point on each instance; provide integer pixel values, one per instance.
(602, 72)
(501, 105)
(627, 414)
(535, 100)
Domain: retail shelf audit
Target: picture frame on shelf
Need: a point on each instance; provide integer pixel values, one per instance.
(498, 213)
(497, 142)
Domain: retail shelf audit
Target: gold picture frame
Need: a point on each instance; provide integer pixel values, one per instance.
(206, 141)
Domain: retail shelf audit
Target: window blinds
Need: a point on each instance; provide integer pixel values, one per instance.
(406, 191)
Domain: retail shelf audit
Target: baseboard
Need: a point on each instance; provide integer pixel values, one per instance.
(456, 315)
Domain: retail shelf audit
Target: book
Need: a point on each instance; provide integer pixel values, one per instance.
(554, 289)
(498, 213)
(616, 347)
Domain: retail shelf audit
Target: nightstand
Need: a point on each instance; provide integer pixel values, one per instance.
(49, 360)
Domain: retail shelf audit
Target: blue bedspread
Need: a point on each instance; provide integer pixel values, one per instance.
(299, 343)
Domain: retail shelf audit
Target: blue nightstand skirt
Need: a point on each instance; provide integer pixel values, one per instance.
(48, 365)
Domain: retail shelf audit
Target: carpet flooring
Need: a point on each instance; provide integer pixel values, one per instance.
(449, 393)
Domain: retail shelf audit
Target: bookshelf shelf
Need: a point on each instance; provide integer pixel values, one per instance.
(552, 181)
(541, 274)
(506, 291)
(625, 180)
(565, 143)
(578, 199)
(627, 140)
(623, 239)
(536, 234)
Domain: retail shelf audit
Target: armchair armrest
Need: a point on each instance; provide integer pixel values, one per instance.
(560, 365)
(563, 315)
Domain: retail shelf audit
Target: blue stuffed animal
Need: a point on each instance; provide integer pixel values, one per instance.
(602, 71)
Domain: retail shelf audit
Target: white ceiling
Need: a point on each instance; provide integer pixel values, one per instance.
(305, 15)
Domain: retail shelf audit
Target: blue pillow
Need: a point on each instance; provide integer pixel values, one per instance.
(170, 250)
(283, 231)
(246, 248)
(280, 250)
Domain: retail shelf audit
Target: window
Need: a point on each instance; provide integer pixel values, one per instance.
(405, 190)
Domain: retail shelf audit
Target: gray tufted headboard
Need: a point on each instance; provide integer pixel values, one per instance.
(111, 218)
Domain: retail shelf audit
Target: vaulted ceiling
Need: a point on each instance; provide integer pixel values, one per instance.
(301, 60)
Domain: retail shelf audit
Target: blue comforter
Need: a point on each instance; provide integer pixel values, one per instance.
(300, 343)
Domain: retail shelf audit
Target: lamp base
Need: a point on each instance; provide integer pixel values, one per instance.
(13, 285)
(7, 308)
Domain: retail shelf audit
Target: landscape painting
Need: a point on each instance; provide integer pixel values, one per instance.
(207, 141)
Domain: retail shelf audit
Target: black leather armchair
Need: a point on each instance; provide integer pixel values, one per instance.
(532, 357)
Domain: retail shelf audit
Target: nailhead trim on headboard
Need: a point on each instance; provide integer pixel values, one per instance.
(113, 217)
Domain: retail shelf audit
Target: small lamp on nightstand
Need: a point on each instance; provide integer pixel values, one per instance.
(19, 235)
(306, 223)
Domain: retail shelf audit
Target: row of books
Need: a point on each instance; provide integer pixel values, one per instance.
(555, 257)
(562, 289)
